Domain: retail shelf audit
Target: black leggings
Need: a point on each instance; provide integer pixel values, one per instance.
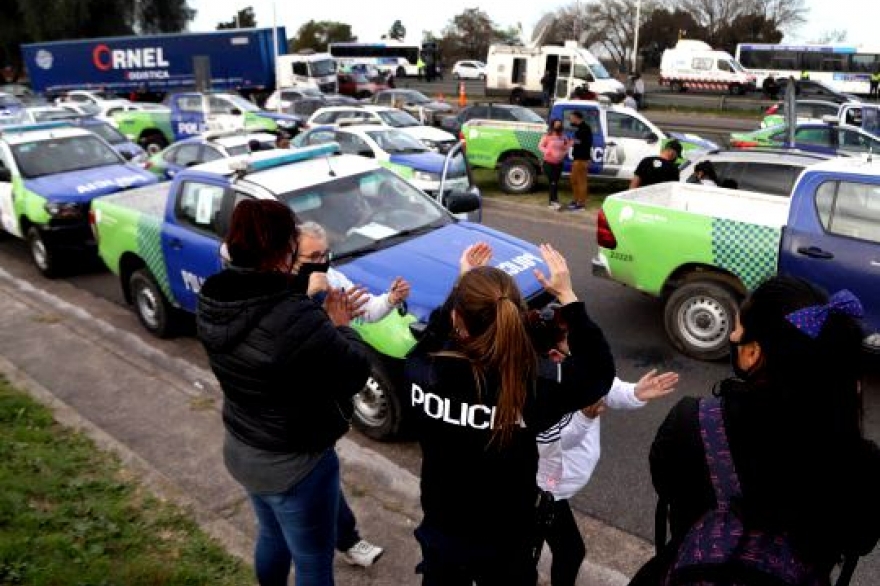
(553, 171)
(566, 544)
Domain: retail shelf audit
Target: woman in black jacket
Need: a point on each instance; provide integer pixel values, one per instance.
(481, 396)
(793, 421)
(288, 369)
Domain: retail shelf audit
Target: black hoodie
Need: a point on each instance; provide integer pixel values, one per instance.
(473, 491)
(287, 373)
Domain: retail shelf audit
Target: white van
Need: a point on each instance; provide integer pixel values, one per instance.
(515, 72)
(307, 69)
(695, 65)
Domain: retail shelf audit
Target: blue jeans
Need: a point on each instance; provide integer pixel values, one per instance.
(346, 526)
(299, 526)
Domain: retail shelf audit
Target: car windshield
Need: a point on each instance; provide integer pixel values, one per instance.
(396, 142)
(60, 155)
(367, 211)
(242, 104)
(322, 68)
(526, 115)
(398, 119)
(107, 132)
(105, 96)
(413, 97)
(599, 71)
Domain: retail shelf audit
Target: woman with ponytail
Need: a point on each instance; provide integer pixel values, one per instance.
(480, 395)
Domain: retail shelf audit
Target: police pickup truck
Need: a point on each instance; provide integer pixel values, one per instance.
(49, 175)
(164, 241)
(621, 138)
(702, 249)
(191, 113)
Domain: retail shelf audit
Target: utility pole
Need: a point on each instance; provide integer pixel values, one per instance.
(635, 64)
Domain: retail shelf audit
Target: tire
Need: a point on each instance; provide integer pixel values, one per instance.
(736, 90)
(44, 256)
(378, 413)
(518, 97)
(482, 77)
(400, 73)
(154, 142)
(150, 304)
(456, 77)
(699, 316)
(517, 175)
(677, 87)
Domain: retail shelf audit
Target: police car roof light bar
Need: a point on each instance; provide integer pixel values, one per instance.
(286, 158)
(17, 128)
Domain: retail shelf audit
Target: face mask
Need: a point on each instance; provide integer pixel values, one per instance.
(738, 371)
(301, 278)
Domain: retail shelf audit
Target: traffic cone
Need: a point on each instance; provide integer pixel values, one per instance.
(462, 97)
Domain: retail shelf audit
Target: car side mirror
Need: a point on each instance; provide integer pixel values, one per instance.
(462, 202)
(367, 153)
(127, 156)
(652, 138)
(5, 175)
(235, 112)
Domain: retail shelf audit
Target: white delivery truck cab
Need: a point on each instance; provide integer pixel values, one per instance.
(307, 69)
(695, 65)
(515, 72)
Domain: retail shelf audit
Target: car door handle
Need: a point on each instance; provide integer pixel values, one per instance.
(815, 252)
(175, 243)
(610, 144)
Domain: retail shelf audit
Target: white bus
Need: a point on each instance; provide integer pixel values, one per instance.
(399, 59)
(846, 68)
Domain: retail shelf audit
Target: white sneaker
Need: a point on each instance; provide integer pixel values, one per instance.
(554, 205)
(363, 553)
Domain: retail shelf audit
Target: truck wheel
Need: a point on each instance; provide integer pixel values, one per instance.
(517, 175)
(677, 86)
(150, 304)
(377, 409)
(155, 142)
(43, 255)
(699, 317)
(518, 97)
(400, 73)
(736, 89)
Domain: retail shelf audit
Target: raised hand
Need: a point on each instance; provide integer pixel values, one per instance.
(653, 385)
(357, 298)
(558, 283)
(475, 255)
(399, 291)
(318, 283)
(336, 305)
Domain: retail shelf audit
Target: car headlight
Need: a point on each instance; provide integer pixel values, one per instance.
(64, 211)
(424, 176)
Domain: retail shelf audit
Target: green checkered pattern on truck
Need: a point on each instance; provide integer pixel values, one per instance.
(749, 251)
(149, 245)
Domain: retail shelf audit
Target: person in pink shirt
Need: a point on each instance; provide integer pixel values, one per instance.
(554, 146)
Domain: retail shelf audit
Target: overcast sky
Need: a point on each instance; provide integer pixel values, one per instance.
(372, 18)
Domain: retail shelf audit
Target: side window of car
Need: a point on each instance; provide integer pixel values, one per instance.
(321, 137)
(723, 65)
(324, 118)
(210, 153)
(768, 178)
(200, 205)
(187, 154)
(813, 136)
(300, 68)
(850, 209)
(351, 144)
(385, 99)
(850, 140)
(625, 126)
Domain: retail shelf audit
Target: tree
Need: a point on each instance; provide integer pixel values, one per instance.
(469, 34)
(244, 18)
(713, 16)
(661, 30)
(832, 36)
(162, 16)
(397, 31)
(317, 34)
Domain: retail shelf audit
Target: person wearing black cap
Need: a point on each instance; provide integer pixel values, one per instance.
(659, 169)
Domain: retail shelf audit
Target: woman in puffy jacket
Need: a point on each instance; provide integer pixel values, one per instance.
(288, 368)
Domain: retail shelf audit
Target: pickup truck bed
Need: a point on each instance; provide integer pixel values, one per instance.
(715, 202)
(149, 201)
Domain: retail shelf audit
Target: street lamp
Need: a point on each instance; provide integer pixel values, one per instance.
(635, 63)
